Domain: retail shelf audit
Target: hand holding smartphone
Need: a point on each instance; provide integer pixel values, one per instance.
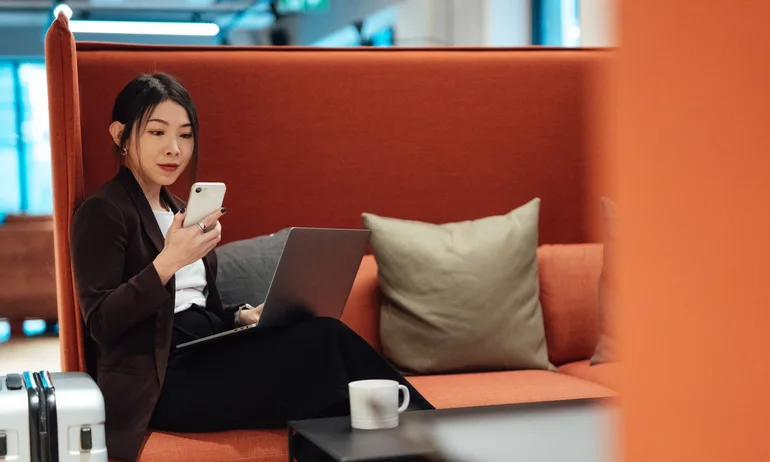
(183, 248)
(204, 199)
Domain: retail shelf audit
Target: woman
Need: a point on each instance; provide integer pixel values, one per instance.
(145, 284)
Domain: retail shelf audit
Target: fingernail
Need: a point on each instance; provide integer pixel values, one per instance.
(181, 210)
(223, 210)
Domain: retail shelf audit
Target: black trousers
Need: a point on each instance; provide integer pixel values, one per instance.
(265, 377)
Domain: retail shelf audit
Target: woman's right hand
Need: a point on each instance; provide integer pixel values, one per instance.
(187, 245)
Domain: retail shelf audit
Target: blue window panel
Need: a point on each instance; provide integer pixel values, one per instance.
(10, 193)
(556, 22)
(5, 331)
(36, 147)
(383, 38)
(34, 327)
(25, 149)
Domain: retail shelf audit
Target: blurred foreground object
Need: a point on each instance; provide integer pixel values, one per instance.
(689, 142)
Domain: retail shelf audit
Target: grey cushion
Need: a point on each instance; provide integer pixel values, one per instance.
(246, 267)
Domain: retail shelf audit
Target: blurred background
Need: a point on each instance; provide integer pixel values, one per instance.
(27, 283)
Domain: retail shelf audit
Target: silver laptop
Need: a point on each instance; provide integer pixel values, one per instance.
(313, 278)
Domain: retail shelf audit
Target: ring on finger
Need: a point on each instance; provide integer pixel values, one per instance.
(202, 226)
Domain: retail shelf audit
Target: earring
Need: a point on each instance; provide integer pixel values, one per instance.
(123, 152)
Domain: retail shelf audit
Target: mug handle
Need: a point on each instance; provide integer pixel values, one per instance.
(406, 398)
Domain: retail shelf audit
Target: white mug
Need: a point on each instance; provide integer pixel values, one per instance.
(374, 403)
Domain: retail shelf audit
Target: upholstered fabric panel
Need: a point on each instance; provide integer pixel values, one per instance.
(308, 137)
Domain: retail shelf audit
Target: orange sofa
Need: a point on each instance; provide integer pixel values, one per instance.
(311, 137)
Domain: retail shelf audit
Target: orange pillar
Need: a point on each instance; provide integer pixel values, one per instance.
(690, 165)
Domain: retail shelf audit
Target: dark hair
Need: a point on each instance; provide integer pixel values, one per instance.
(135, 103)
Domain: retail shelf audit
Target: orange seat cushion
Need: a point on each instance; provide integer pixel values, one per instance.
(490, 388)
(604, 374)
(241, 446)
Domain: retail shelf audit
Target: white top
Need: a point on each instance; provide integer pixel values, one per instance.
(191, 279)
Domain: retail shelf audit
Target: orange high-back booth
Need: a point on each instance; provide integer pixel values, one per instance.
(311, 137)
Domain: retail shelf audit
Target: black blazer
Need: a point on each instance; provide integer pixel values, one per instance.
(128, 312)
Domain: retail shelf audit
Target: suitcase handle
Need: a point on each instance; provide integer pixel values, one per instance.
(49, 441)
(33, 396)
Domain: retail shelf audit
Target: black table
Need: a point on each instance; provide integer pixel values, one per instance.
(563, 431)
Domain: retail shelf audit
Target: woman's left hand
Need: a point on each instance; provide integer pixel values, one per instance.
(251, 316)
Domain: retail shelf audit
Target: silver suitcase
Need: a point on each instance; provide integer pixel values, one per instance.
(15, 440)
(51, 417)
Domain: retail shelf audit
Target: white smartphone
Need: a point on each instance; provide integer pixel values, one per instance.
(204, 199)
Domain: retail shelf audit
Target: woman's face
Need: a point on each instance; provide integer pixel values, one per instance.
(164, 145)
